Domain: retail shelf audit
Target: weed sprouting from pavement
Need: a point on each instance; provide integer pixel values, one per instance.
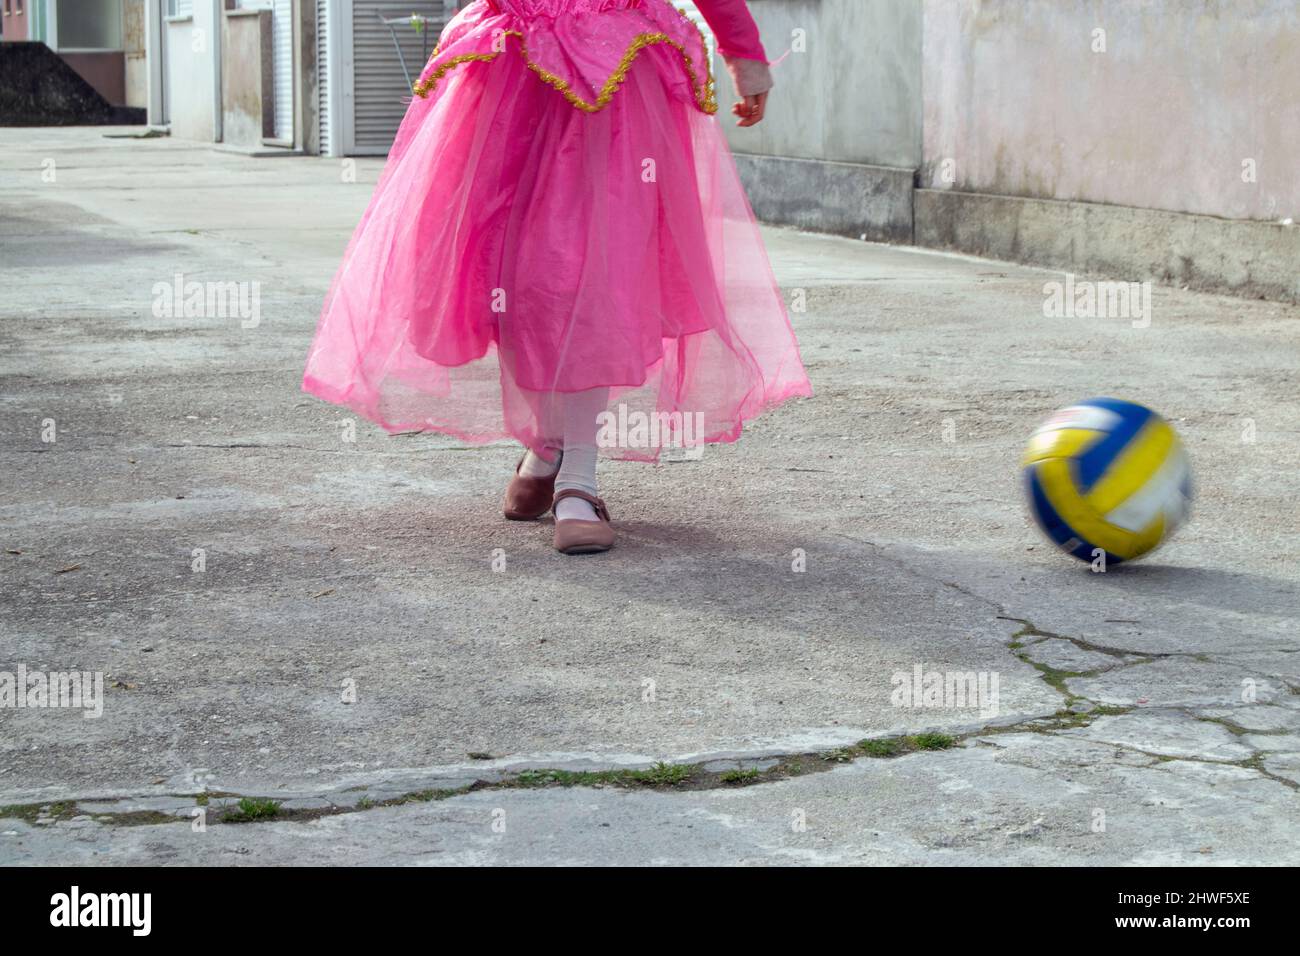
(253, 808)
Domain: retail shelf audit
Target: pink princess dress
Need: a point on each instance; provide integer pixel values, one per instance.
(560, 215)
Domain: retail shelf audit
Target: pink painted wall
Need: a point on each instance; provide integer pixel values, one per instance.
(106, 72)
(13, 25)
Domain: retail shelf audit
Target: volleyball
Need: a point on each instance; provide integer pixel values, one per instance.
(1107, 476)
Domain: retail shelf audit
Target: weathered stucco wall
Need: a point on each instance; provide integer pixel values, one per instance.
(246, 112)
(133, 51)
(849, 87)
(1164, 109)
(1145, 138)
(1181, 105)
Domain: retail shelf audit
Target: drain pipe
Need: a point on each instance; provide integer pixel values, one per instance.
(219, 12)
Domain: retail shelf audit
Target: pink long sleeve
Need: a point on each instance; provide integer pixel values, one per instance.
(739, 43)
(734, 27)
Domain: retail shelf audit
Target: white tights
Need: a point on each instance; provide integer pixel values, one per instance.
(578, 466)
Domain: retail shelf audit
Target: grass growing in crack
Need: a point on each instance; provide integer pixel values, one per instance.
(883, 747)
(1026, 630)
(1054, 677)
(137, 818)
(251, 809)
(46, 813)
(566, 778)
(1063, 719)
(660, 775)
(31, 812)
(1230, 726)
(18, 811)
(663, 775)
(739, 776)
(1069, 718)
(419, 796)
(897, 746)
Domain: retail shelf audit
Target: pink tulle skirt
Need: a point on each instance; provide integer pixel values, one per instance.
(559, 215)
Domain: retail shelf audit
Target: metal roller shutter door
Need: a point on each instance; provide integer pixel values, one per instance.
(323, 68)
(380, 91)
(282, 67)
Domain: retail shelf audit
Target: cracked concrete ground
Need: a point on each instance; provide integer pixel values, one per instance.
(1148, 715)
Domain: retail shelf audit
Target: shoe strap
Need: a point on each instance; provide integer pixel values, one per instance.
(601, 511)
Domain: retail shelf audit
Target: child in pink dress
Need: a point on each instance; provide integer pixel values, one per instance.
(560, 251)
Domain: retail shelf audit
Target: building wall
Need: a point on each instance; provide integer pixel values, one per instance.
(16, 24)
(1022, 100)
(848, 88)
(247, 115)
(133, 49)
(191, 73)
(38, 20)
(102, 70)
(1008, 97)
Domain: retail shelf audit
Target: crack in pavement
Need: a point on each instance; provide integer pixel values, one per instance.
(1078, 712)
(679, 777)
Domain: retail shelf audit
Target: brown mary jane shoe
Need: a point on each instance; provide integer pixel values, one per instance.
(573, 536)
(527, 499)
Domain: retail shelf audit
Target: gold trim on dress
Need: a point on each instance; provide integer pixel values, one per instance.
(704, 95)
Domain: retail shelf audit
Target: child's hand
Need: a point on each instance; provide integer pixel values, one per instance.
(750, 110)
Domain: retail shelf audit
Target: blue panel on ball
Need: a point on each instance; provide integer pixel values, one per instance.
(1047, 517)
(1093, 462)
(1054, 525)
